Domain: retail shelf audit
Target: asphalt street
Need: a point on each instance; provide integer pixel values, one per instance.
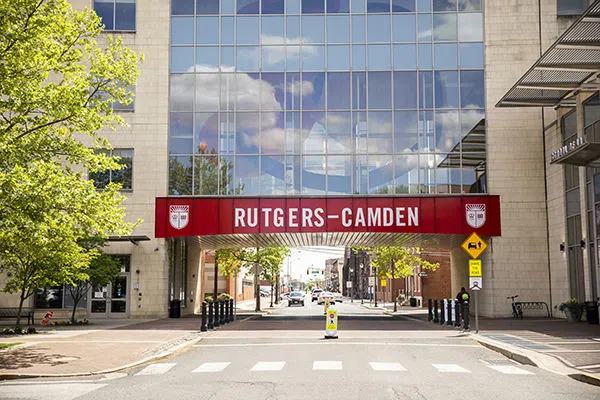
(285, 356)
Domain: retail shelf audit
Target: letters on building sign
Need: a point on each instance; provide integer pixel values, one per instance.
(571, 146)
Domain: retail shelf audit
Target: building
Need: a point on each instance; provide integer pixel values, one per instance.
(400, 104)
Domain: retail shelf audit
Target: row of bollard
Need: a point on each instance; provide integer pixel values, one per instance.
(216, 313)
(448, 312)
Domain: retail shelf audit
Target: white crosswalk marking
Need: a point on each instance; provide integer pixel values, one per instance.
(379, 366)
(450, 368)
(327, 365)
(510, 369)
(156, 369)
(268, 366)
(212, 367)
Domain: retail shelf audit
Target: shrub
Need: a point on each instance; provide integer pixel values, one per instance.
(574, 306)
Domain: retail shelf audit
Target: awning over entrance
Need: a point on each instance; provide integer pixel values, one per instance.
(569, 66)
(583, 151)
(258, 221)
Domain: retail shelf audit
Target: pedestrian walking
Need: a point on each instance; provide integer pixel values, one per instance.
(463, 299)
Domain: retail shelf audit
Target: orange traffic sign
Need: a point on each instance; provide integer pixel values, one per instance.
(474, 245)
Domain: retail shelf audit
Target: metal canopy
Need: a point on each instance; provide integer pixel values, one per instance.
(569, 66)
(473, 150)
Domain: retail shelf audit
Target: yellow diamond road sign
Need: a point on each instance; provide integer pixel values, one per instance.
(474, 245)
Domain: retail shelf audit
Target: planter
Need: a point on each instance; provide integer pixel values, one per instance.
(572, 316)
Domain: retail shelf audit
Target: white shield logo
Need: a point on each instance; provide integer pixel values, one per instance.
(179, 216)
(475, 215)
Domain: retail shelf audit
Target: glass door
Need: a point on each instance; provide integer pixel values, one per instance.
(111, 300)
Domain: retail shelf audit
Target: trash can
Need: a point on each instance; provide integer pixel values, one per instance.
(413, 301)
(175, 309)
(591, 312)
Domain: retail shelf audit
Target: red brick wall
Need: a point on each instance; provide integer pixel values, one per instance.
(438, 284)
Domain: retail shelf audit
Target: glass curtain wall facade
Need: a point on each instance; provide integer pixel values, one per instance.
(323, 97)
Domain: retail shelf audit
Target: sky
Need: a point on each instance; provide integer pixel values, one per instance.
(309, 257)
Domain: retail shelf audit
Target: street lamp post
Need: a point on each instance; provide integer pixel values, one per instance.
(352, 287)
(362, 295)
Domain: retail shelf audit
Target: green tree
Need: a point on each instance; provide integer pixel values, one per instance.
(57, 88)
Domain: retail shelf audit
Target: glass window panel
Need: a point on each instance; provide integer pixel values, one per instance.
(425, 89)
(314, 134)
(248, 58)
(207, 59)
(471, 89)
(339, 133)
(272, 6)
(313, 29)
(359, 91)
(425, 32)
(180, 176)
(182, 30)
(313, 175)
(207, 92)
(447, 130)
(273, 30)
(444, 27)
(226, 177)
(358, 29)
(293, 132)
(426, 131)
(293, 30)
(207, 30)
(182, 92)
(405, 56)
(471, 55)
(227, 6)
(379, 56)
(272, 175)
(182, 59)
(273, 58)
(404, 28)
(247, 6)
(423, 5)
(293, 170)
(313, 90)
(106, 11)
(405, 132)
(380, 90)
(425, 57)
(591, 112)
(248, 91)
(403, 5)
(358, 6)
(206, 175)
(292, 58)
(338, 58)
(361, 175)
(473, 176)
(227, 59)
(338, 6)
(123, 176)
(292, 6)
(207, 127)
(338, 90)
(359, 57)
(227, 30)
(405, 89)
(470, 118)
(125, 15)
(381, 175)
(359, 131)
(272, 137)
(228, 91)
(313, 6)
(470, 27)
(293, 90)
(406, 177)
(247, 175)
(427, 163)
(313, 58)
(469, 5)
(339, 174)
(338, 29)
(247, 30)
(207, 6)
(379, 127)
(446, 89)
(272, 91)
(445, 56)
(247, 136)
(181, 7)
(378, 28)
(181, 133)
(227, 133)
(374, 6)
(444, 5)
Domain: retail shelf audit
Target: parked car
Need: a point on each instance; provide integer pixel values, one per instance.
(264, 293)
(326, 297)
(296, 298)
(339, 298)
(315, 294)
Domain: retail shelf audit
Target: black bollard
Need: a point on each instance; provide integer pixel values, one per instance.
(222, 313)
(231, 311)
(457, 313)
(442, 312)
(203, 327)
(436, 317)
(429, 310)
(466, 315)
(217, 319)
(450, 307)
(211, 315)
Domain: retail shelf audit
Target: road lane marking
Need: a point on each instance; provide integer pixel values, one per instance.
(268, 366)
(156, 369)
(450, 368)
(327, 365)
(212, 367)
(335, 344)
(386, 366)
(510, 370)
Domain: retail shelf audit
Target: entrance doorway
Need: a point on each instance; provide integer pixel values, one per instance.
(111, 300)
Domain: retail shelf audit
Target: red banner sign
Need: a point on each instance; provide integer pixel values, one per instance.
(461, 215)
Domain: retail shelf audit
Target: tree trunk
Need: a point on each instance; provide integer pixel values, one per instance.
(256, 288)
(21, 301)
(277, 290)
(271, 295)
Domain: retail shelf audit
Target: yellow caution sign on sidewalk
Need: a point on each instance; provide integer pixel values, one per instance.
(331, 318)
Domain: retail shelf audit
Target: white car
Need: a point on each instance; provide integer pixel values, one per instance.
(339, 298)
(326, 296)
